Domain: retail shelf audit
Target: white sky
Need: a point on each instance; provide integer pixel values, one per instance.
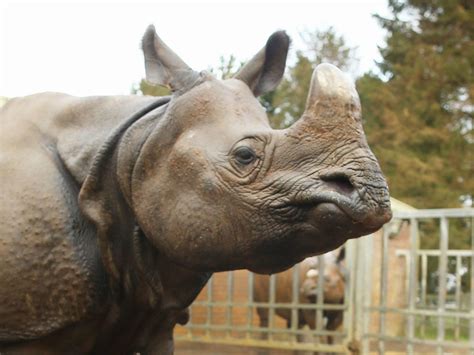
(92, 47)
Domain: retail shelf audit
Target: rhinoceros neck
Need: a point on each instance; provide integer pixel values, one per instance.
(135, 267)
(100, 198)
(160, 279)
(154, 296)
(143, 281)
(84, 125)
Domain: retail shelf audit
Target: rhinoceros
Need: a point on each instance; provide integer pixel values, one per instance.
(116, 210)
(333, 288)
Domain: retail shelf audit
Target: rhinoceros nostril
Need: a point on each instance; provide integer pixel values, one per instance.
(339, 182)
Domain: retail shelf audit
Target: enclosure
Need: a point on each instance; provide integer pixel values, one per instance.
(408, 288)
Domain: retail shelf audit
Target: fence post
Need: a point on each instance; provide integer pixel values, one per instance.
(424, 290)
(251, 304)
(230, 297)
(359, 294)
(271, 310)
(320, 295)
(458, 296)
(471, 322)
(209, 305)
(295, 300)
(365, 288)
(348, 293)
(443, 268)
(412, 282)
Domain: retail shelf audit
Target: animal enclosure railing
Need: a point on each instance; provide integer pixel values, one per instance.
(223, 316)
(436, 311)
(409, 288)
(456, 300)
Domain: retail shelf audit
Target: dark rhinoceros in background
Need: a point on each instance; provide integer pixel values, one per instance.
(116, 210)
(307, 283)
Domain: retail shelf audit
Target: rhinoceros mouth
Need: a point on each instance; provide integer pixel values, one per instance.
(343, 210)
(320, 197)
(348, 204)
(339, 204)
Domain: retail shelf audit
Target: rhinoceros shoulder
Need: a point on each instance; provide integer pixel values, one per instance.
(50, 266)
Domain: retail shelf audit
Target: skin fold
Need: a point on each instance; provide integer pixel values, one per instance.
(116, 210)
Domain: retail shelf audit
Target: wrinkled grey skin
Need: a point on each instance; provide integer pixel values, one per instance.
(112, 221)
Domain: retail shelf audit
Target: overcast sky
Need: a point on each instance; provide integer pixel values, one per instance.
(92, 47)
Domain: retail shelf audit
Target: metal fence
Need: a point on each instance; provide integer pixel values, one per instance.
(401, 294)
(436, 318)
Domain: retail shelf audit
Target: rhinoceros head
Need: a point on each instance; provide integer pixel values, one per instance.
(214, 187)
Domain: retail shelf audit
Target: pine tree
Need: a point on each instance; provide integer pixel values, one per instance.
(286, 104)
(145, 88)
(419, 121)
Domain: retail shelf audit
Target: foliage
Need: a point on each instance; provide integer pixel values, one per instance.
(227, 67)
(145, 88)
(3, 100)
(418, 114)
(419, 121)
(286, 104)
(426, 327)
(328, 47)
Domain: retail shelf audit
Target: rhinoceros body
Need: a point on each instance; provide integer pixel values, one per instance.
(52, 274)
(116, 210)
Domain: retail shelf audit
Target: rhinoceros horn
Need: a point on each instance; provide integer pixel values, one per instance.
(332, 97)
(163, 66)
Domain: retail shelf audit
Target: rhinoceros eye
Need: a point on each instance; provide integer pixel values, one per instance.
(245, 155)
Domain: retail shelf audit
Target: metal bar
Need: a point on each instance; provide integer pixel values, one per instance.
(230, 295)
(337, 348)
(326, 306)
(209, 307)
(383, 289)
(348, 313)
(443, 266)
(295, 298)
(320, 293)
(407, 274)
(272, 301)
(457, 297)
(250, 308)
(434, 343)
(436, 252)
(355, 296)
(424, 290)
(190, 321)
(471, 323)
(435, 213)
(367, 288)
(412, 282)
(428, 313)
(240, 328)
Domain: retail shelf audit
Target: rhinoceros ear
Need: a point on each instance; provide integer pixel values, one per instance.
(264, 71)
(163, 66)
